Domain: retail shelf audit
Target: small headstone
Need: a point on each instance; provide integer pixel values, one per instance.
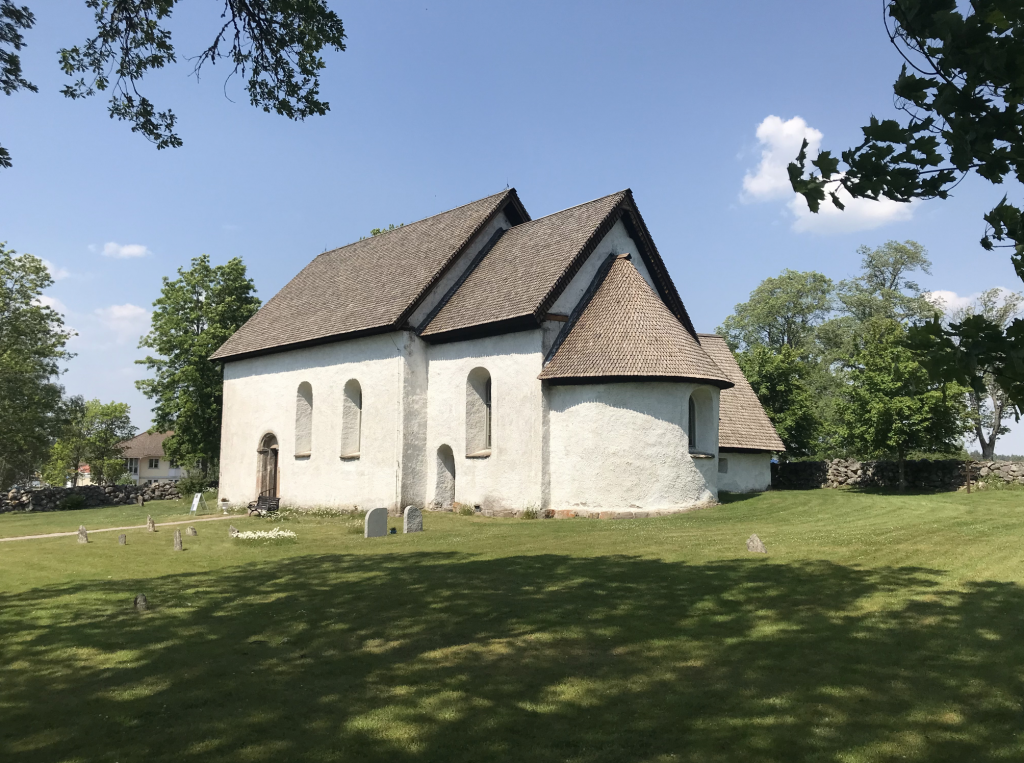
(83, 534)
(412, 521)
(232, 531)
(376, 524)
(141, 501)
(122, 540)
(177, 540)
(755, 546)
(150, 524)
(140, 602)
(191, 531)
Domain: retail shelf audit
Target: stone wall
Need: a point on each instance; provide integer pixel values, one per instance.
(920, 475)
(52, 498)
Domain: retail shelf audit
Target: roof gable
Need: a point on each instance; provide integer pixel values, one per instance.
(369, 286)
(528, 267)
(743, 424)
(145, 445)
(622, 330)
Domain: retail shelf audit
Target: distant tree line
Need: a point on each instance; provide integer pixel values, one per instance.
(833, 367)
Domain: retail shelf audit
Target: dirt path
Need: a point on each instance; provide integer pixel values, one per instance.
(115, 529)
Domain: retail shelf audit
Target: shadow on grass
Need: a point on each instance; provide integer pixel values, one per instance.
(447, 657)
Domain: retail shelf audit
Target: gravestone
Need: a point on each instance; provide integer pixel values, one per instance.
(376, 524)
(122, 540)
(177, 540)
(150, 524)
(191, 531)
(413, 520)
(140, 500)
(140, 602)
(232, 531)
(83, 534)
(755, 546)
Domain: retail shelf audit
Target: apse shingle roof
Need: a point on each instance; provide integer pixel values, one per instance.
(742, 421)
(624, 330)
(145, 445)
(369, 285)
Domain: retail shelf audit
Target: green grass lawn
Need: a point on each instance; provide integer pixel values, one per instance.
(877, 628)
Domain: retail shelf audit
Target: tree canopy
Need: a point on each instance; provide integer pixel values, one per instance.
(32, 346)
(195, 314)
(962, 94)
(92, 433)
(782, 311)
(276, 46)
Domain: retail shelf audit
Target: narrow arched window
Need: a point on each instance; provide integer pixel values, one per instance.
(479, 427)
(351, 420)
(691, 421)
(304, 420)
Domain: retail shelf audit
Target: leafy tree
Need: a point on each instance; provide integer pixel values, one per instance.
(891, 407)
(275, 45)
(70, 450)
(991, 408)
(777, 377)
(963, 96)
(32, 346)
(782, 312)
(106, 427)
(195, 314)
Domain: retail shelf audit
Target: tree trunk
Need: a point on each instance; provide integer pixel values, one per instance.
(903, 477)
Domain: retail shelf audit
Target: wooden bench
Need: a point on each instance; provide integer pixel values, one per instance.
(265, 505)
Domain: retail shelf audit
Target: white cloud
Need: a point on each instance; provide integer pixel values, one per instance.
(780, 143)
(126, 321)
(56, 272)
(124, 251)
(949, 301)
(51, 302)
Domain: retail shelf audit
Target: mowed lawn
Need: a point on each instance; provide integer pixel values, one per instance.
(877, 628)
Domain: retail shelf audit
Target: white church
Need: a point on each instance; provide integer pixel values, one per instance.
(484, 358)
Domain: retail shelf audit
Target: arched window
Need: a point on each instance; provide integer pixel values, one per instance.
(351, 420)
(304, 420)
(691, 421)
(479, 429)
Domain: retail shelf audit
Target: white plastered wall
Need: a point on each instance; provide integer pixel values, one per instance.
(259, 397)
(510, 478)
(746, 472)
(623, 446)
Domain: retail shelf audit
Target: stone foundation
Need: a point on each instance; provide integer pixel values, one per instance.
(920, 475)
(51, 498)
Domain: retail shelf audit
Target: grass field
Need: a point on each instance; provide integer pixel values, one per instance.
(877, 628)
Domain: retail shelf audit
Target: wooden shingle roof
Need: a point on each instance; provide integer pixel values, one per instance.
(743, 424)
(145, 445)
(371, 285)
(624, 331)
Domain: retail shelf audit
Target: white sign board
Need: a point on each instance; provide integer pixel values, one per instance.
(195, 503)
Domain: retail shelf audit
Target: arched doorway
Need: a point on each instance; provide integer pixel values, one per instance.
(267, 464)
(444, 491)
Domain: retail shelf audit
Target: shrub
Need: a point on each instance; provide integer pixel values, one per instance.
(72, 502)
(530, 513)
(125, 479)
(193, 483)
(464, 510)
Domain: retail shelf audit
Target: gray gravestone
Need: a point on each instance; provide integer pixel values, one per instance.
(140, 500)
(122, 540)
(232, 531)
(83, 535)
(755, 546)
(150, 524)
(413, 520)
(140, 602)
(376, 524)
(191, 531)
(177, 540)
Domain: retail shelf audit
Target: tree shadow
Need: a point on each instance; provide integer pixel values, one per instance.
(450, 657)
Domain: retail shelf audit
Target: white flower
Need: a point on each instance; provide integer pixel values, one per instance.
(276, 534)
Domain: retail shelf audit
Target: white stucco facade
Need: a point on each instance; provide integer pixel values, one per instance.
(744, 472)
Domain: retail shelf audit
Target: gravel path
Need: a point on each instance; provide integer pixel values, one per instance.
(115, 529)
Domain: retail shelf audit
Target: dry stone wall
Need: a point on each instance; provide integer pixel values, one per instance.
(56, 498)
(922, 475)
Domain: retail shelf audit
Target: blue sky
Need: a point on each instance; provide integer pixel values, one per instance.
(437, 104)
